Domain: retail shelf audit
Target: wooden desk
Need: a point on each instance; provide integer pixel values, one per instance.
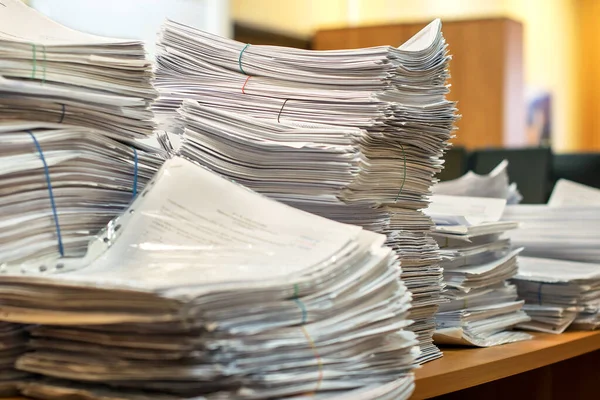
(464, 368)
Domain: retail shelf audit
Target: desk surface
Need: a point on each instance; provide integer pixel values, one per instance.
(462, 368)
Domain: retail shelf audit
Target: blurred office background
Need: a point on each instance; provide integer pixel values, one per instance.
(526, 73)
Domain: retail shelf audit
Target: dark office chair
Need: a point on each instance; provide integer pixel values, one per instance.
(530, 168)
(456, 164)
(578, 167)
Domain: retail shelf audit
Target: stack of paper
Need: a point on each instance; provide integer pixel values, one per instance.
(559, 294)
(477, 263)
(560, 279)
(353, 135)
(495, 185)
(54, 74)
(65, 97)
(566, 228)
(13, 342)
(59, 186)
(203, 287)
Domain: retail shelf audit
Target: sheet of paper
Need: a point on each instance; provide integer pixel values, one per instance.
(568, 193)
(460, 210)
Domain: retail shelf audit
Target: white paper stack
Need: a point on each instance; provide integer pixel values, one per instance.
(203, 287)
(477, 263)
(559, 294)
(59, 186)
(353, 135)
(494, 185)
(566, 228)
(13, 342)
(65, 97)
(54, 74)
(559, 278)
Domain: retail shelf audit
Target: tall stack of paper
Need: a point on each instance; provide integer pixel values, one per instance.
(559, 279)
(477, 263)
(203, 287)
(559, 294)
(353, 135)
(54, 74)
(65, 99)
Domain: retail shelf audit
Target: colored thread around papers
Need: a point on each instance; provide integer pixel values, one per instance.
(300, 304)
(281, 109)
(302, 307)
(244, 86)
(135, 172)
(240, 58)
(34, 60)
(309, 339)
(44, 64)
(465, 303)
(62, 115)
(540, 293)
(403, 180)
(312, 345)
(50, 193)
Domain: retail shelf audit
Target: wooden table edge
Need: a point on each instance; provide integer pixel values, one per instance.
(462, 377)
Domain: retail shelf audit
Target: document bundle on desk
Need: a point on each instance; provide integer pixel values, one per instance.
(351, 135)
(478, 261)
(72, 107)
(131, 272)
(559, 277)
(203, 286)
(256, 222)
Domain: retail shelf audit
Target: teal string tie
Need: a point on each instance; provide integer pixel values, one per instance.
(240, 58)
(34, 60)
(44, 64)
(301, 305)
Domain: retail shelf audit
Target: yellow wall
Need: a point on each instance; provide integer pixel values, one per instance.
(589, 77)
(549, 32)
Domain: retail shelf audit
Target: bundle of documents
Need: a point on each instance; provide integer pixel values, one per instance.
(352, 135)
(13, 342)
(60, 185)
(65, 99)
(566, 228)
(559, 294)
(203, 287)
(477, 263)
(495, 185)
(560, 277)
(54, 74)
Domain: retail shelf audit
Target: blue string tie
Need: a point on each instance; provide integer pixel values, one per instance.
(61, 249)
